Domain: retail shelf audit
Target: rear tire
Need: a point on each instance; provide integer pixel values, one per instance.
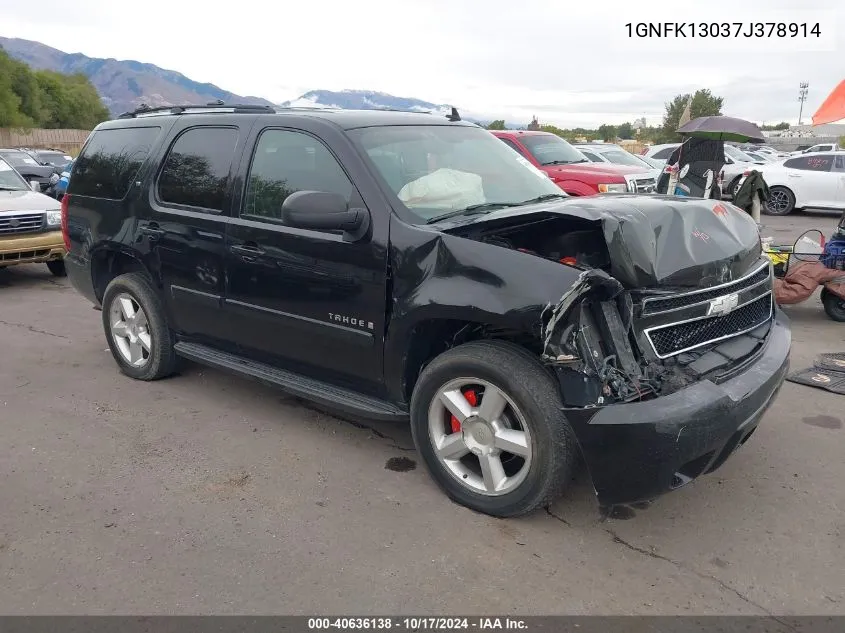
(734, 187)
(503, 461)
(834, 306)
(57, 267)
(781, 201)
(136, 328)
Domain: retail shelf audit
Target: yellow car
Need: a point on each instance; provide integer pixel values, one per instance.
(30, 224)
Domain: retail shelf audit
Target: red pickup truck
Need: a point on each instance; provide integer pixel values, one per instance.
(570, 170)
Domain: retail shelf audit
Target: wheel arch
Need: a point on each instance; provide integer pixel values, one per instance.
(108, 262)
(428, 338)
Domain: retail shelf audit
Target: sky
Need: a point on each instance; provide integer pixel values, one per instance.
(570, 63)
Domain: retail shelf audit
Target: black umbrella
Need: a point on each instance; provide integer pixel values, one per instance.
(722, 128)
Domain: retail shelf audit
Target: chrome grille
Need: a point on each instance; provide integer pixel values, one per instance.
(645, 185)
(675, 338)
(655, 305)
(21, 223)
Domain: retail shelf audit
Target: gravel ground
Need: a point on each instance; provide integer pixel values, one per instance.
(209, 494)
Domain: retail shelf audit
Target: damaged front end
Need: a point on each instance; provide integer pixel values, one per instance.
(669, 347)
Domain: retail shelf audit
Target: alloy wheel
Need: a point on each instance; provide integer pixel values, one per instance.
(480, 436)
(130, 330)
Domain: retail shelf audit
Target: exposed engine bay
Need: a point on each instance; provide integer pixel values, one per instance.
(643, 321)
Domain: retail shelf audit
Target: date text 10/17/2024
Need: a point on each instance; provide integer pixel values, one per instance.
(416, 624)
(682, 30)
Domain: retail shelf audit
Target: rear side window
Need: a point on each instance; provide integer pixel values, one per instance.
(196, 170)
(811, 163)
(111, 160)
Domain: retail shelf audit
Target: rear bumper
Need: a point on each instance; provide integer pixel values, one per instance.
(636, 452)
(33, 248)
(79, 274)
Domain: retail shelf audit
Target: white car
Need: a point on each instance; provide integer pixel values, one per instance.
(616, 155)
(659, 153)
(822, 147)
(814, 180)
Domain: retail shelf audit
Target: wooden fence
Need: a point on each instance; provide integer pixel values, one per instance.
(70, 141)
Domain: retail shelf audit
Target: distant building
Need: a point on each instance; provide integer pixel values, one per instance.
(534, 125)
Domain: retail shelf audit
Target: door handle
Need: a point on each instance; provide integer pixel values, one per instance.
(152, 231)
(248, 251)
(794, 175)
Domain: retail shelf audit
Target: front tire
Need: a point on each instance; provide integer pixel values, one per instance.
(57, 267)
(136, 328)
(486, 420)
(781, 201)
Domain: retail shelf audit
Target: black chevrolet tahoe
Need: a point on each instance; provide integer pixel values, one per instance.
(411, 267)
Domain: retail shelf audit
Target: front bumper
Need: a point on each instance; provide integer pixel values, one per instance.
(638, 451)
(31, 248)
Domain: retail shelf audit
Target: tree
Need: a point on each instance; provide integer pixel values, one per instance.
(626, 130)
(498, 124)
(783, 125)
(704, 103)
(46, 99)
(607, 132)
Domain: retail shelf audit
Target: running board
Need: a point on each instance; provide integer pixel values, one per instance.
(331, 396)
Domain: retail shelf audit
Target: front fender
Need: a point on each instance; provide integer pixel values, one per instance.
(437, 276)
(577, 188)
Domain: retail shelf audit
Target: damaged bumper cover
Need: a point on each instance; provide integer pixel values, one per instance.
(638, 451)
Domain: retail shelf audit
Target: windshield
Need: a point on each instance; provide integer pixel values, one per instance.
(436, 170)
(550, 149)
(19, 159)
(57, 159)
(738, 154)
(621, 157)
(10, 179)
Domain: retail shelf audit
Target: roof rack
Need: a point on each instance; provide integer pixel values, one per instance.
(215, 106)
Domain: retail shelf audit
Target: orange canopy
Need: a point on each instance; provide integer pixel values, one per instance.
(833, 108)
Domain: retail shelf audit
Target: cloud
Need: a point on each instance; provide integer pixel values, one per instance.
(569, 64)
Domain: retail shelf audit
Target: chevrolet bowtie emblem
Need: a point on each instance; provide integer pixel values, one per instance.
(723, 305)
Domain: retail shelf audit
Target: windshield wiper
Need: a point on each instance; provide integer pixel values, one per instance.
(472, 209)
(565, 162)
(543, 198)
(7, 188)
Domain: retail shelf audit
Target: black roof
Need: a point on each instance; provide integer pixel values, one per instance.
(345, 119)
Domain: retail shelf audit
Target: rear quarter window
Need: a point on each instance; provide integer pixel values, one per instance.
(110, 161)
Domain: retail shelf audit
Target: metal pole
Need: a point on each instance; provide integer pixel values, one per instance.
(802, 97)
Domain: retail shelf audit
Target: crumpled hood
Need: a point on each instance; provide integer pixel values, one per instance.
(658, 240)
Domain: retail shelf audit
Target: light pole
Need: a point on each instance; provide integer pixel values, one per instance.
(802, 97)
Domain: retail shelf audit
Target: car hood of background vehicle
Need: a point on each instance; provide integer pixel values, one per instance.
(653, 240)
(17, 201)
(593, 170)
(36, 171)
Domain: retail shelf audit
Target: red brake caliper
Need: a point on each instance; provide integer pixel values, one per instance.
(472, 398)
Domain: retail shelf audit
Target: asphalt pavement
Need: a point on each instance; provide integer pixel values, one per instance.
(209, 494)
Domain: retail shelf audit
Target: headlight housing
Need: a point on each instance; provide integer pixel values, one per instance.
(54, 217)
(613, 188)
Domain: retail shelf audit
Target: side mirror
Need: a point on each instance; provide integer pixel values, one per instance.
(729, 160)
(323, 211)
(35, 186)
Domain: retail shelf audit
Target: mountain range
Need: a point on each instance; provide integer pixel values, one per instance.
(124, 85)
